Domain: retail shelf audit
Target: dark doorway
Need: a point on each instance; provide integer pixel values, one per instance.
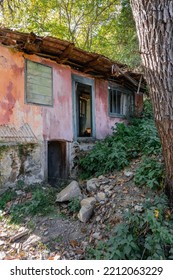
(57, 169)
(84, 112)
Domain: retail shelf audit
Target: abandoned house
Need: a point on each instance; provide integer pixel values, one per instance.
(55, 100)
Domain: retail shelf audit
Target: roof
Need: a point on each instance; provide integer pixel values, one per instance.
(64, 52)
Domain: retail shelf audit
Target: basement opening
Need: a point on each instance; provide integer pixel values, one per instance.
(57, 166)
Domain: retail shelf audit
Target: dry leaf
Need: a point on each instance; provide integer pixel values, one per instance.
(74, 243)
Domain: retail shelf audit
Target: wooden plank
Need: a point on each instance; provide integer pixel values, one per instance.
(37, 67)
(39, 83)
(37, 80)
(40, 100)
(19, 235)
(39, 74)
(39, 89)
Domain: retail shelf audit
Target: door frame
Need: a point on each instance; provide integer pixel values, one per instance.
(90, 82)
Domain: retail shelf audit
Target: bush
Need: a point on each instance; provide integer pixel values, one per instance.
(150, 173)
(126, 143)
(6, 197)
(146, 235)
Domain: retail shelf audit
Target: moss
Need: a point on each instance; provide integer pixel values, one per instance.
(26, 149)
(3, 148)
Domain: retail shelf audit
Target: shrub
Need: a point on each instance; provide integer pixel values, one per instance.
(6, 197)
(150, 173)
(146, 235)
(126, 143)
(74, 205)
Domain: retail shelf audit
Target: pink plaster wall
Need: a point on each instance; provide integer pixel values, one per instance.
(104, 122)
(46, 122)
(58, 120)
(50, 123)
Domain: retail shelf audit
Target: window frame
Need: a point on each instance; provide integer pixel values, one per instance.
(126, 93)
(26, 83)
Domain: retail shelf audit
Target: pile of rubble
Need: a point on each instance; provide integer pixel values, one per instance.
(103, 201)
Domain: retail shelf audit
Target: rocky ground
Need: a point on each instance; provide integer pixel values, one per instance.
(65, 235)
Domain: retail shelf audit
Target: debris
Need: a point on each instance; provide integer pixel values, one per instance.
(2, 255)
(92, 185)
(89, 201)
(101, 196)
(138, 208)
(71, 191)
(85, 213)
(19, 235)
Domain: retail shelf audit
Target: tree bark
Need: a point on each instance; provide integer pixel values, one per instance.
(154, 24)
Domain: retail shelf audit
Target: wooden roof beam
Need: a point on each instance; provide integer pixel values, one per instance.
(63, 57)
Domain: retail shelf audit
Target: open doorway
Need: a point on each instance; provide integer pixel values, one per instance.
(83, 92)
(57, 167)
(83, 96)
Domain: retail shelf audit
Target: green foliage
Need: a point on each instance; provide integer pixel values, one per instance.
(74, 205)
(126, 143)
(42, 203)
(6, 197)
(150, 173)
(106, 155)
(102, 26)
(146, 235)
(148, 110)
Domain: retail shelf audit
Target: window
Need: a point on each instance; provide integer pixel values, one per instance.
(38, 84)
(120, 102)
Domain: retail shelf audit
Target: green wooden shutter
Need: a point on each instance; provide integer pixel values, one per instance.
(38, 83)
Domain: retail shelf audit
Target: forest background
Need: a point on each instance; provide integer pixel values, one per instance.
(102, 26)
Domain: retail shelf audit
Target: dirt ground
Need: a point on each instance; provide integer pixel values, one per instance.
(62, 235)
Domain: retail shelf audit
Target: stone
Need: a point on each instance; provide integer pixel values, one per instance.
(2, 255)
(101, 177)
(92, 185)
(90, 201)
(128, 174)
(100, 196)
(138, 208)
(2, 242)
(107, 188)
(71, 191)
(96, 235)
(85, 213)
(19, 192)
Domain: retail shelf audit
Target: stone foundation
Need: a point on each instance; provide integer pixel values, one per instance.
(21, 162)
(78, 150)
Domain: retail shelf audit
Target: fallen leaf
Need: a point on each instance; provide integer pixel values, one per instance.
(74, 243)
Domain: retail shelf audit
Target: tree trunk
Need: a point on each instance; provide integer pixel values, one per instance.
(154, 24)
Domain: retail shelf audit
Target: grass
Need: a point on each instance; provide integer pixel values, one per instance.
(42, 202)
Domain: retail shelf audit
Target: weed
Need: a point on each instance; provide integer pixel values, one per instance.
(74, 205)
(57, 239)
(150, 173)
(146, 235)
(6, 197)
(126, 143)
(42, 203)
(31, 225)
